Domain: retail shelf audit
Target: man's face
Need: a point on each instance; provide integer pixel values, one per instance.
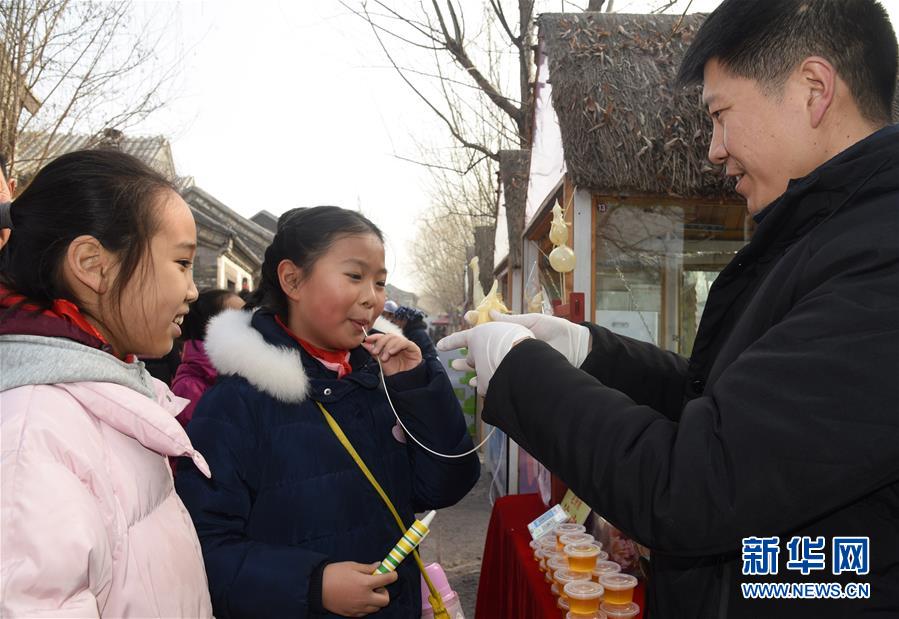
(6, 191)
(6, 188)
(763, 140)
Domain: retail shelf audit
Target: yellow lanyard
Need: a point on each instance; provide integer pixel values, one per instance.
(434, 597)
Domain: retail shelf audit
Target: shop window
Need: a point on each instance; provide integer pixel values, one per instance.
(655, 264)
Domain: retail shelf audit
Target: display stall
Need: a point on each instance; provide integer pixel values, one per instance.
(512, 585)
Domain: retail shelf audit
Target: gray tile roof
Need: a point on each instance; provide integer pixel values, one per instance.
(33, 151)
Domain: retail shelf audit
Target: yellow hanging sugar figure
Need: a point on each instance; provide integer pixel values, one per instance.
(493, 301)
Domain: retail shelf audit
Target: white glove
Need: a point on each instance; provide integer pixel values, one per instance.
(569, 338)
(487, 346)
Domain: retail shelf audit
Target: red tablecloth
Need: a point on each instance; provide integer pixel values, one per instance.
(512, 585)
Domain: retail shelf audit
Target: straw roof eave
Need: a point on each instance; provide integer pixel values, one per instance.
(626, 129)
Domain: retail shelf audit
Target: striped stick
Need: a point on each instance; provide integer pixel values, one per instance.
(407, 543)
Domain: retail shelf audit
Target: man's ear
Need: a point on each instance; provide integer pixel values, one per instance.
(11, 183)
(819, 79)
(90, 263)
(290, 276)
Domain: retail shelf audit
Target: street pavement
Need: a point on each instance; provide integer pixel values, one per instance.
(456, 541)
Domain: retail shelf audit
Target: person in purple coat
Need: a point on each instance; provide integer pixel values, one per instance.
(196, 373)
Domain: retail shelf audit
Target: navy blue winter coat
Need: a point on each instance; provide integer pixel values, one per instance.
(285, 497)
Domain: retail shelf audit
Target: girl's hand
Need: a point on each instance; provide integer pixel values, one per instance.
(350, 590)
(397, 354)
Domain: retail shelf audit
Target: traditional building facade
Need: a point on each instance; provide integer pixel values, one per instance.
(230, 247)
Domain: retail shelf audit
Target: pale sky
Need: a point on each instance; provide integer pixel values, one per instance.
(282, 104)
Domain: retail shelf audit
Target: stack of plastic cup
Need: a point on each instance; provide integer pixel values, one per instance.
(541, 559)
(597, 615)
(535, 546)
(564, 529)
(605, 567)
(576, 538)
(562, 578)
(619, 588)
(550, 556)
(582, 557)
(558, 562)
(583, 596)
(547, 543)
(619, 611)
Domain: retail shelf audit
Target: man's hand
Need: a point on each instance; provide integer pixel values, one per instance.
(350, 590)
(569, 338)
(487, 345)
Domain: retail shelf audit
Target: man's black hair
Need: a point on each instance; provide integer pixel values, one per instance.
(765, 40)
(3, 168)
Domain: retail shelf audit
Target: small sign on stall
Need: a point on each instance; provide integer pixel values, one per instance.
(547, 522)
(576, 508)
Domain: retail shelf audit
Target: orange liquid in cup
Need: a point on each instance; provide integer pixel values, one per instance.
(620, 597)
(565, 576)
(583, 607)
(619, 588)
(582, 557)
(583, 596)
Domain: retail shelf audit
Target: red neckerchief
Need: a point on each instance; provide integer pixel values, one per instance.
(61, 308)
(336, 361)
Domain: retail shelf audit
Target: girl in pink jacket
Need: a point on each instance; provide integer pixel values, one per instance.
(97, 270)
(196, 374)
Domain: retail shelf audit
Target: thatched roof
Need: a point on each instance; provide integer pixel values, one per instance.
(513, 172)
(625, 127)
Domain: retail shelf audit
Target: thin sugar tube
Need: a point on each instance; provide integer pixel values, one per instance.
(406, 544)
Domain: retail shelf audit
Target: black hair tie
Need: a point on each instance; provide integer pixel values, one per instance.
(6, 215)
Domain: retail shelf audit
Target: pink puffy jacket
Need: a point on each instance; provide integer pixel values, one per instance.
(91, 524)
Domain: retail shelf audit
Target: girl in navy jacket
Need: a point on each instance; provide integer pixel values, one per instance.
(289, 525)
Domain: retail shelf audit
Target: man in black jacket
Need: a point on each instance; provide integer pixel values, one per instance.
(771, 456)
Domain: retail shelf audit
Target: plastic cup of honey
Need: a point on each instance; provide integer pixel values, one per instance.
(619, 588)
(565, 528)
(557, 562)
(622, 611)
(575, 538)
(565, 576)
(597, 615)
(583, 596)
(547, 541)
(541, 559)
(582, 557)
(604, 567)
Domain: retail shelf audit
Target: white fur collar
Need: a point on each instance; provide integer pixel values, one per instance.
(385, 326)
(234, 347)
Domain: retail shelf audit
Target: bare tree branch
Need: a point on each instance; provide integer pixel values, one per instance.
(84, 63)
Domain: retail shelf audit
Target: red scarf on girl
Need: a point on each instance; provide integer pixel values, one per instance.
(59, 309)
(336, 360)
